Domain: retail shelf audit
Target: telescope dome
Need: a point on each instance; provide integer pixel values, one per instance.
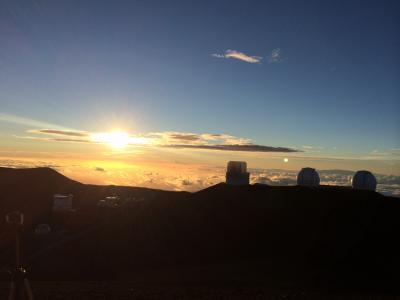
(308, 177)
(364, 180)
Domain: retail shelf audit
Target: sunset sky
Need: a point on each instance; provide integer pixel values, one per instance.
(163, 93)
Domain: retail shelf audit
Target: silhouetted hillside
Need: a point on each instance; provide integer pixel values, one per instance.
(289, 236)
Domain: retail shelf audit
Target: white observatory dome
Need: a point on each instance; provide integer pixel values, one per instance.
(308, 177)
(364, 180)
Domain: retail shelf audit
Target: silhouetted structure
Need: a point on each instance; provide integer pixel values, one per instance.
(62, 202)
(42, 229)
(236, 173)
(308, 177)
(19, 287)
(110, 201)
(364, 180)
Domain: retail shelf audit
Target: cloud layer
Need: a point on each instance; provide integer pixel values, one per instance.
(177, 140)
(387, 184)
(189, 177)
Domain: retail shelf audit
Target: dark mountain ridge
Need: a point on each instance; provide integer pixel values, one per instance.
(297, 236)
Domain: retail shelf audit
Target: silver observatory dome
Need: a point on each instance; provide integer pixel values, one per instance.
(308, 177)
(364, 180)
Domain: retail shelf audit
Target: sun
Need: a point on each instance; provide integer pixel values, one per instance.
(285, 160)
(116, 139)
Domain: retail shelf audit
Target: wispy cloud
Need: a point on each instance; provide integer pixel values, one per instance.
(238, 55)
(228, 147)
(218, 55)
(211, 141)
(275, 56)
(9, 118)
(172, 138)
(72, 140)
(186, 137)
(310, 148)
(60, 132)
(52, 139)
(395, 151)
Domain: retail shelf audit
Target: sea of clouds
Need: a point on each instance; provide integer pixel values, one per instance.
(388, 185)
(201, 177)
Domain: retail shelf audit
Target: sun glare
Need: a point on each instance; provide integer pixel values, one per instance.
(116, 139)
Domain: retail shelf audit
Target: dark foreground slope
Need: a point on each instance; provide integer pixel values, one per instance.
(282, 236)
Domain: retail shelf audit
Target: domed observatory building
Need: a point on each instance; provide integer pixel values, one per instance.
(364, 180)
(308, 177)
(236, 173)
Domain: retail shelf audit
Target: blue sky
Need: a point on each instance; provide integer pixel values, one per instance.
(148, 66)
